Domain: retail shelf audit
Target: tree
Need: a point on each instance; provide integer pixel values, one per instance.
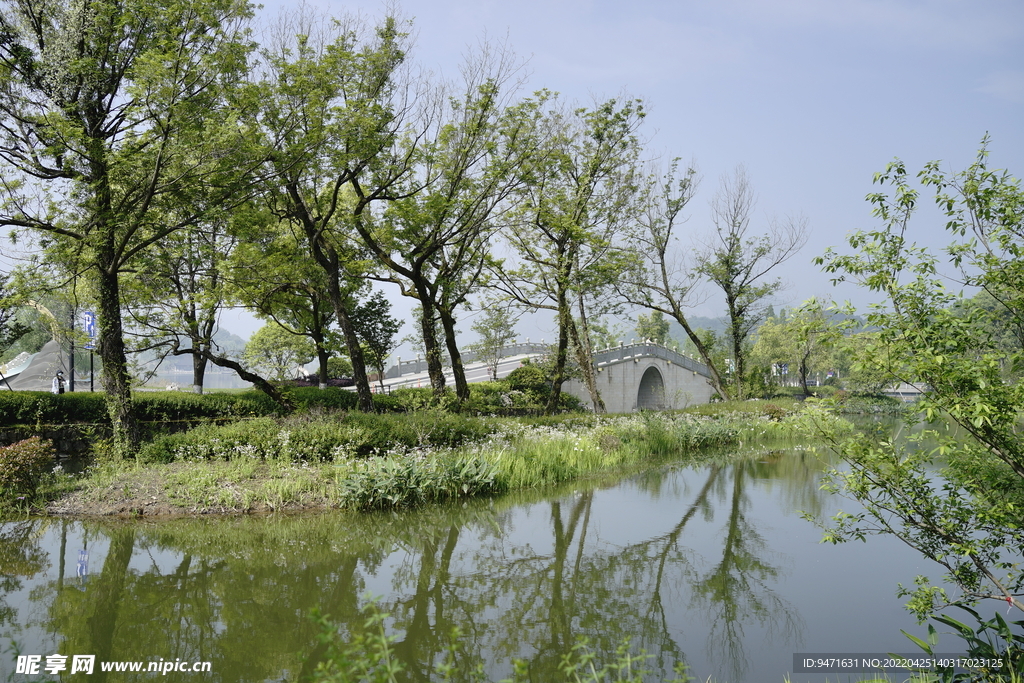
(578, 195)
(179, 289)
(497, 330)
(739, 264)
(662, 279)
(376, 328)
(653, 327)
(11, 330)
(958, 503)
(332, 110)
(806, 338)
(113, 136)
(276, 351)
(435, 241)
(288, 288)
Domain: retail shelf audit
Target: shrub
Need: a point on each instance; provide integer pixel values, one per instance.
(773, 412)
(22, 465)
(331, 398)
(315, 438)
(529, 379)
(42, 407)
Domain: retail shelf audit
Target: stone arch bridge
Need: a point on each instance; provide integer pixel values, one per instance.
(638, 376)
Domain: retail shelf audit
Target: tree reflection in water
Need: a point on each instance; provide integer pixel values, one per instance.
(238, 592)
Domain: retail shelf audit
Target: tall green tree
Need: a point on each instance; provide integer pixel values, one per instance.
(435, 241)
(112, 119)
(277, 351)
(495, 329)
(577, 197)
(663, 280)
(806, 338)
(288, 288)
(377, 328)
(333, 106)
(740, 264)
(652, 326)
(958, 501)
(11, 329)
(178, 289)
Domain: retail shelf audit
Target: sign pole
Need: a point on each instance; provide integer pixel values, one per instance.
(90, 332)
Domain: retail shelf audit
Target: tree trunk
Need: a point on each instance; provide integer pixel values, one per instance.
(116, 380)
(198, 371)
(458, 369)
(585, 357)
(431, 347)
(702, 351)
(737, 350)
(561, 353)
(355, 350)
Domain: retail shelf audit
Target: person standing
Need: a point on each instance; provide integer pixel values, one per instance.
(58, 383)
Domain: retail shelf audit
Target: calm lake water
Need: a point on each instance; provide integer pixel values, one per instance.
(711, 565)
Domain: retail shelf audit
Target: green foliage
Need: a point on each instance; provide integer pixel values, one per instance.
(496, 330)
(739, 265)
(44, 408)
(407, 480)
(338, 367)
(274, 351)
(953, 493)
(531, 380)
(376, 328)
(22, 465)
(805, 339)
(994, 640)
(653, 326)
(318, 439)
(11, 329)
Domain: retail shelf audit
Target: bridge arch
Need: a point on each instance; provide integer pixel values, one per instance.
(650, 395)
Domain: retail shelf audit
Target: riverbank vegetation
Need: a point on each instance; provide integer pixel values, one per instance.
(361, 461)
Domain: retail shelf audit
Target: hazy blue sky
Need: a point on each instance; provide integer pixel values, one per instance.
(811, 96)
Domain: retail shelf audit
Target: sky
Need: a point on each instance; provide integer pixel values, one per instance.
(812, 97)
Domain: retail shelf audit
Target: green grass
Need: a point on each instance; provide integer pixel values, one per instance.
(366, 461)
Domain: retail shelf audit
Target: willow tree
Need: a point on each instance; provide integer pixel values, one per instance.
(111, 120)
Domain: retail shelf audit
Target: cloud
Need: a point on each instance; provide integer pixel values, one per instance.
(1005, 85)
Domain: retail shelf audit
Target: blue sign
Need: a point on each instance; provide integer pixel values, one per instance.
(90, 329)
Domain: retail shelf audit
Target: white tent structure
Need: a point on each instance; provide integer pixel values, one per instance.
(37, 374)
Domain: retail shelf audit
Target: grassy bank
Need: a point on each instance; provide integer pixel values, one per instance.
(364, 462)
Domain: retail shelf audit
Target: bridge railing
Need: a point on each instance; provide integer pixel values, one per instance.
(624, 352)
(418, 365)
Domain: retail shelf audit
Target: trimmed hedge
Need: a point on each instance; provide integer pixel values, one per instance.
(41, 407)
(317, 439)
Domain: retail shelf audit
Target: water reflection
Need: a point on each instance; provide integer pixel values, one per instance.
(679, 560)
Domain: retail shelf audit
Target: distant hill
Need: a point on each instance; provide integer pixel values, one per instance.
(716, 325)
(229, 344)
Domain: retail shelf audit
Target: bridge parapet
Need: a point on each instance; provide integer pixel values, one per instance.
(622, 352)
(418, 365)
